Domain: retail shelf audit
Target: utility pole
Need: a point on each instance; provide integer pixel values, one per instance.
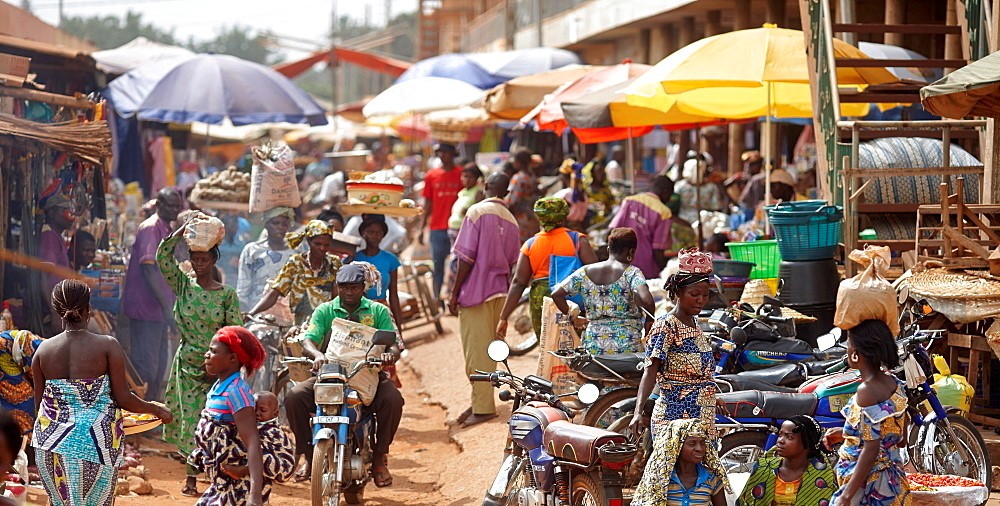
(538, 13)
(333, 65)
(60, 12)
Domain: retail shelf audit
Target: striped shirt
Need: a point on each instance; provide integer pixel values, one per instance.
(228, 396)
(707, 485)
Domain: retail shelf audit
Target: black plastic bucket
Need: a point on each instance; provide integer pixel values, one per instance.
(809, 283)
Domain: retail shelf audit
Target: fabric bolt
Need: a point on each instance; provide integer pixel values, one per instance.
(466, 199)
(218, 443)
(17, 395)
(685, 375)
(386, 263)
(305, 288)
(477, 325)
(883, 424)
(815, 488)
(148, 351)
(227, 396)
(614, 315)
(258, 266)
(139, 302)
(199, 314)
(488, 240)
(650, 218)
(441, 187)
(440, 247)
(78, 437)
(52, 248)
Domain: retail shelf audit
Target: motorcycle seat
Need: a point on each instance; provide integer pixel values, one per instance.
(782, 345)
(819, 367)
(332, 371)
(595, 367)
(775, 405)
(786, 375)
(578, 443)
(736, 383)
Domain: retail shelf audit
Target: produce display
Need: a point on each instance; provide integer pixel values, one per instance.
(229, 185)
(926, 482)
(381, 193)
(138, 422)
(930, 489)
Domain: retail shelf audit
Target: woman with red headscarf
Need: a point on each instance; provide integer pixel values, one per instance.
(227, 432)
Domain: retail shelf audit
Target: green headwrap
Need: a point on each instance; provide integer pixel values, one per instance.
(551, 212)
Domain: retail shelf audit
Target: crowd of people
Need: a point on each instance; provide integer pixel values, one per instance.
(505, 238)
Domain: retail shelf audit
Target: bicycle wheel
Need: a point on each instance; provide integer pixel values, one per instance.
(523, 338)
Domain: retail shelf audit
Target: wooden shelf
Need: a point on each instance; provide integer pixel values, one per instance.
(927, 29)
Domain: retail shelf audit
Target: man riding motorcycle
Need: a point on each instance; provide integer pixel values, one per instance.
(387, 406)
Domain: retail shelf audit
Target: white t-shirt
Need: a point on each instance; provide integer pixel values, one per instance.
(614, 171)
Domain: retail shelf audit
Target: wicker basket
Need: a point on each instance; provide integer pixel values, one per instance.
(754, 293)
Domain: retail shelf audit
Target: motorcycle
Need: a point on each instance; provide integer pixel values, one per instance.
(342, 432)
(549, 461)
(940, 441)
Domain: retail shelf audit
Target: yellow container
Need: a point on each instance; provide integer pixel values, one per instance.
(772, 284)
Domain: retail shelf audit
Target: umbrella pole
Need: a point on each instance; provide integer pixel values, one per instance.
(697, 191)
(631, 160)
(768, 157)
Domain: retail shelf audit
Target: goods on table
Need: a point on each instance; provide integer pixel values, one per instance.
(379, 193)
(272, 179)
(229, 185)
(868, 295)
(930, 489)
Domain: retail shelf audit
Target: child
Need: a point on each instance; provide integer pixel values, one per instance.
(227, 430)
(372, 229)
(870, 466)
(276, 448)
(697, 477)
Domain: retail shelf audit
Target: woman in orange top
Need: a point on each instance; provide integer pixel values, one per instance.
(533, 264)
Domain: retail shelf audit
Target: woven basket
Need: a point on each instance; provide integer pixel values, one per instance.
(951, 285)
(754, 293)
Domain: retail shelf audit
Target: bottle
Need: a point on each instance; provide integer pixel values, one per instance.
(6, 319)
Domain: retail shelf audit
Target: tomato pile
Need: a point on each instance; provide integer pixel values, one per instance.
(926, 482)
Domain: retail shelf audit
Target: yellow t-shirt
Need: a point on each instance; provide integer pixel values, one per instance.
(785, 492)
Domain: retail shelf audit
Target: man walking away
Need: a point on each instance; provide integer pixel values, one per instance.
(148, 301)
(486, 249)
(647, 213)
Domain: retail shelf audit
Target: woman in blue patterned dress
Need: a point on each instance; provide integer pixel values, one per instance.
(870, 465)
(614, 295)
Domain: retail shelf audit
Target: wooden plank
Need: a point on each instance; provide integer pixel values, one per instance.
(887, 208)
(914, 171)
(907, 132)
(986, 229)
(928, 29)
(935, 63)
(966, 243)
(956, 262)
(994, 261)
(974, 208)
(880, 98)
(77, 102)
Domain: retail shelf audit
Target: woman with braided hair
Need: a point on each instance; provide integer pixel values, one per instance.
(80, 384)
(227, 431)
(795, 472)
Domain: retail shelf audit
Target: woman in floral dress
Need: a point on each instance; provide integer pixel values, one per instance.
(614, 295)
(203, 306)
(870, 465)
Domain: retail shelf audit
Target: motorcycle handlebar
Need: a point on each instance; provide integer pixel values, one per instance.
(480, 377)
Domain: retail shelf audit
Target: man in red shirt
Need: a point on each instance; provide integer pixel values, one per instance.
(441, 187)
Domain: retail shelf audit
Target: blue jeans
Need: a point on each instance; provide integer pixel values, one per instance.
(149, 354)
(440, 248)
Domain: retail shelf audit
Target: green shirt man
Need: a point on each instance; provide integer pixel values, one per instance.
(368, 313)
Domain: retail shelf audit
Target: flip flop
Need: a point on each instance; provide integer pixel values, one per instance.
(302, 475)
(477, 419)
(464, 416)
(190, 491)
(381, 476)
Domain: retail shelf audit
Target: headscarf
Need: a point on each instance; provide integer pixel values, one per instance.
(274, 212)
(810, 432)
(360, 272)
(312, 229)
(694, 267)
(244, 345)
(674, 435)
(551, 212)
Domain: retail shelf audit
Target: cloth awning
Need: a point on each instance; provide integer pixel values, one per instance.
(381, 64)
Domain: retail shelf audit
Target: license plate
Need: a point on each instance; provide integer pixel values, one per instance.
(323, 420)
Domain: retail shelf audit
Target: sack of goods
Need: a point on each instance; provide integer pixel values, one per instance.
(868, 295)
(272, 179)
(228, 185)
(203, 231)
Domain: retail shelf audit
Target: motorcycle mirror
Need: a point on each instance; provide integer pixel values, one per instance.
(826, 341)
(498, 351)
(588, 393)
(384, 338)
(738, 335)
(903, 294)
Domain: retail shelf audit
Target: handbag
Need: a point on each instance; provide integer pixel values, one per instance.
(562, 267)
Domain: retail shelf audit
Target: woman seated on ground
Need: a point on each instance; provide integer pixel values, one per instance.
(615, 295)
(795, 473)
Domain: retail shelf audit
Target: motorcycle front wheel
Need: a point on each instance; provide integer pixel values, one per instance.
(945, 457)
(513, 474)
(602, 413)
(586, 491)
(325, 486)
(740, 450)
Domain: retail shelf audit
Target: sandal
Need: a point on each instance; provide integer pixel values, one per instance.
(190, 489)
(303, 474)
(380, 473)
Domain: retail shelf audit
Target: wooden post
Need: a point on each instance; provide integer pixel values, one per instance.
(952, 42)
(775, 13)
(737, 131)
(713, 23)
(894, 15)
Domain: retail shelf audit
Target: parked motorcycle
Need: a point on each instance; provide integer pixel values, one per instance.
(549, 461)
(940, 441)
(342, 432)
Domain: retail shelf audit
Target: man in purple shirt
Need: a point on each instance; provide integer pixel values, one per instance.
(60, 215)
(148, 301)
(648, 215)
(487, 250)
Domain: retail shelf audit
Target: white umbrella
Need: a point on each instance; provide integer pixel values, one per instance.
(890, 52)
(133, 54)
(523, 62)
(422, 94)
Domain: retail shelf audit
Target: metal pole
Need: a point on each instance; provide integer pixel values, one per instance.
(631, 159)
(538, 25)
(767, 159)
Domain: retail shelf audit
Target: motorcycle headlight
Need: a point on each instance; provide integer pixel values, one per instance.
(329, 393)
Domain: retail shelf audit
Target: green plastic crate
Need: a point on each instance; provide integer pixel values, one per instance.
(763, 253)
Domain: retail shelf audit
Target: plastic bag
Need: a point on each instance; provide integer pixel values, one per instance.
(272, 179)
(203, 231)
(952, 389)
(868, 295)
(349, 344)
(952, 496)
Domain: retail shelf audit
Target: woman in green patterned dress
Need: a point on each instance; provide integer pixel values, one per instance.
(203, 306)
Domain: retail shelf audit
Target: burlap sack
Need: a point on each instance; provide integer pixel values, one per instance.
(272, 179)
(557, 334)
(349, 344)
(868, 295)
